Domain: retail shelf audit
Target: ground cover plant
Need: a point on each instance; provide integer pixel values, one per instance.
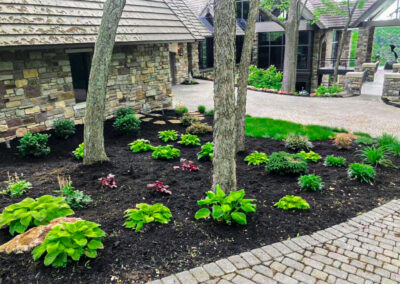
(140, 145)
(76, 199)
(290, 202)
(206, 152)
(180, 110)
(187, 119)
(311, 182)
(296, 142)
(130, 257)
(159, 186)
(310, 156)
(201, 109)
(366, 141)
(361, 172)
(376, 156)
(15, 186)
(145, 213)
(189, 140)
(332, 90)
(70, 241)
(199, 128)
(34, 145)
(108, 181)
(64, 128)
(226, 208)
(256, 158)
(168, 135)
(79, 152)
(344, 140)
(186, 166)
(332, 161)
(284, 163)
(166, 153)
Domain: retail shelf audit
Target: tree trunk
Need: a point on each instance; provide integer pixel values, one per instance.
(96, 98)
(244, 74)
(291, 46)
(224, 161)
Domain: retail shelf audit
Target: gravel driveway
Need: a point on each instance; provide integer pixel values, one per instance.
(365, 113)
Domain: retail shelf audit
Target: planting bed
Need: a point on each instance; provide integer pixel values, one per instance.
(183, 243)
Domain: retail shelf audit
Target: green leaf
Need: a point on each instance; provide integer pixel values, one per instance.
(219, 192)
(217, 212)
(80, 241)
(50, 257)
(239, 218)
(226, 208)
(248, 208)
(38, 252)
(95, 244)
(202, 213)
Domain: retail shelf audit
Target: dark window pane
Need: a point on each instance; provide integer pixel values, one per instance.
(239, 48)
(210, 52)
(80, 69)
(263, 38)
(238, 9)
(302, 57)
(276, 38)
(304, 37)
(245, 14)
(263, 57)
(276, 57)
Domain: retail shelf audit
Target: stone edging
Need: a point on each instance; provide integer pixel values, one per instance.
(255, 263)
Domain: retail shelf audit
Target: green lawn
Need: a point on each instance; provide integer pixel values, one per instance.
(262, 127)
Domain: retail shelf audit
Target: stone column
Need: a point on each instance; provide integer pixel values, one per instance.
(364, 46)
(254, 52)
(316, 52)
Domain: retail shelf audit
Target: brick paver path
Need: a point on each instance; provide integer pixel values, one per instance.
(365, 249)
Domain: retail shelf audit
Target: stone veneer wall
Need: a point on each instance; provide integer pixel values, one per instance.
(316, 53)
(182, 63)
(364, 46)
(254, 52)
(391, 85)
(353, 83)
(371, 69)
(396, 68)
(36, 86)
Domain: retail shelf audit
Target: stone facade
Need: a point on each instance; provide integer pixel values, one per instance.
(318, 35)
(391, 85)
(371, 69)
(364, 46)
(396, 68)
(254, 52)
(36, 86)
(353, 83)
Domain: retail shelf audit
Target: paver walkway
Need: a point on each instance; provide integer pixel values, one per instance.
(365, 113)
(365, 249)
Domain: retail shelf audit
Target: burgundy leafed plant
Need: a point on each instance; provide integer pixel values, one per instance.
(108, 181)
(187, 166)
(159, 187)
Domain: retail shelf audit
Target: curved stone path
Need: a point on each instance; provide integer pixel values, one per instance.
(365, 249)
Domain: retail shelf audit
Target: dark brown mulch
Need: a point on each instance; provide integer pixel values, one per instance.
(184, 243)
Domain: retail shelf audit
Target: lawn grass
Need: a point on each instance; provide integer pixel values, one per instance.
(262, 127)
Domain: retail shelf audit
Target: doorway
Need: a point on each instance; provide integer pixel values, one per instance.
(172, 64)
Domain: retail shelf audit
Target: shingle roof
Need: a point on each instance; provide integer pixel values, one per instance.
(44, 22)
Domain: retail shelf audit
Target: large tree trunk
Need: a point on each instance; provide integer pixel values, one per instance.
(244, 74)
(291, 46)
(96, 98)
(224, 162)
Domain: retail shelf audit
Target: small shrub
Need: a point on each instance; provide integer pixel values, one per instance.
(256, 158)
(70, 240)
(343, 140)
(199, 128)
(297, 142)
(186, 166)
(332, 161)
(33, 212)
(159, 186)
(228, 209)
(76, 199)
(166, 153)
(210, 112)
(123, 111)
(201, 109)
(289, 202)
(168, 135)
(310, 156)
(127, 124)
(387, 140)
(140, 145)
(366, 141)
(64, 128)
(180, 110)
(15, 186)
(108, 181)
(364, 173)
(376, 156)
(34, 145)
(311, 182)
(79, 152)
(206, 152)
(189, 140)
(285, 163)
(187, 119)
(146, 213)
(261, 79)
(328, 91)
(395, 149)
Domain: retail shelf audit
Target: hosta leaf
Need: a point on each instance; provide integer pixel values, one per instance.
(219, 192)
(217, 212)
(52, 247)
(50, 257)
(81, 241)
(202, 213)
(95, 244)
(226, 208)
(38, 252)
(139, 226)
(61, 260)
(248, 208)
(239, 218)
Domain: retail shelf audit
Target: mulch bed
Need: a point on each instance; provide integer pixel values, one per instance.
(184, 243)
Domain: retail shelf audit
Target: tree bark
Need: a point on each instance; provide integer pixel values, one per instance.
(97, 91)
(224, 161)
(244, 74)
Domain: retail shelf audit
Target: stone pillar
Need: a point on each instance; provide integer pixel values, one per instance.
(396, 68)
(364, 46)
(353, 84)
(391, 85)
(195, 58)
(371, 69)
(316, 52)
(254, 52)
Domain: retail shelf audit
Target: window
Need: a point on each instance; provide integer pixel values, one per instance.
(242, 9)
(80, 70)
(239, 48)
(335, 43)
(206, 53)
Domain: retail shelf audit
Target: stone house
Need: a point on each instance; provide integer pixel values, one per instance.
(46, 49)
(318, 43)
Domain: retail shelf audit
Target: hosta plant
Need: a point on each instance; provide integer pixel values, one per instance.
(79, 152)
(166, 153)
(332, 161)
(289, 202)
(187, 166)
(145, 213)
(76, 199)
(364, 173)
(226, 208)
(311, 182)
(33, 212)
(64, 128)
(206, 152)
(108, 181)
(296, 142)
(140, 145)
(377, 156)
(256, 158)
(310, 156)
(189, 140)
(159, 186)
(285, 163)
(67, 242)
(15, 186)
(168, 135)
(34, 145)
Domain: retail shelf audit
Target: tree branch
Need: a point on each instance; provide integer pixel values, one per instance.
(274, 18)
(302, 8)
